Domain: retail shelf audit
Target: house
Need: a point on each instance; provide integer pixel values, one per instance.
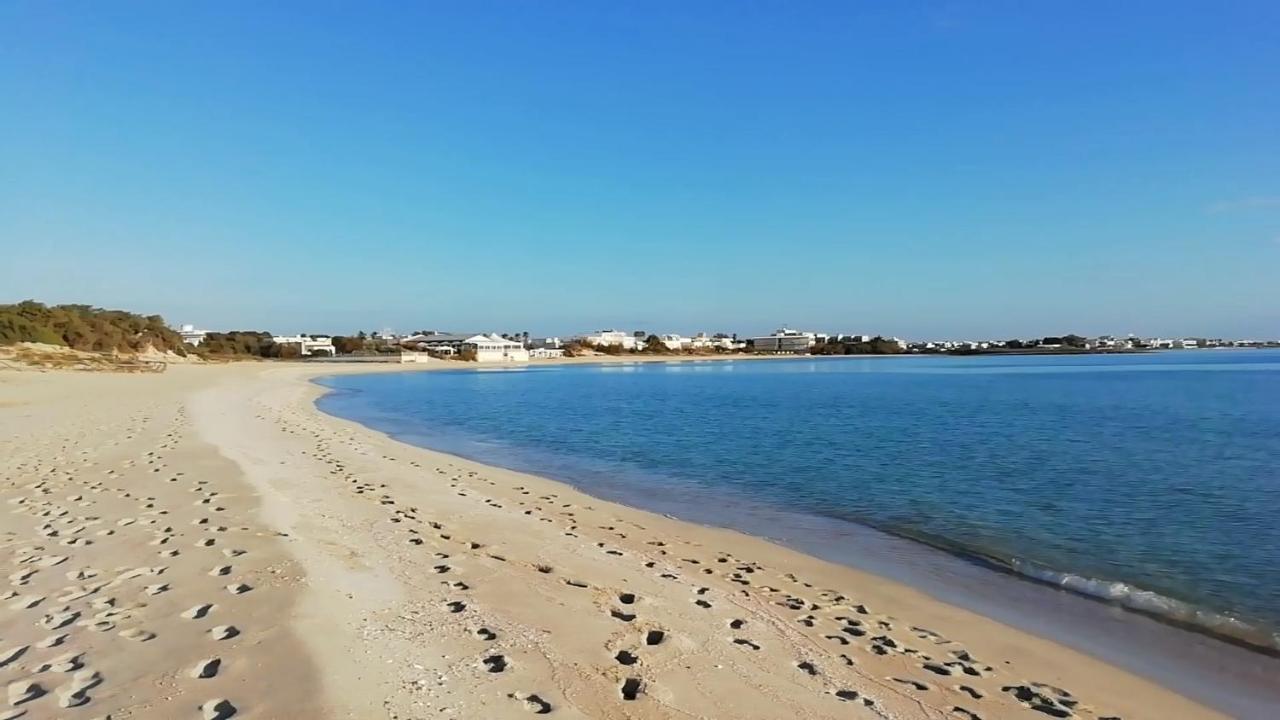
(613, 337)
(495, 348)
(191, 336)
(784, 340)
(1109, 342)
(438, 343)
(307, 344)
(674, 342)
(545, 353)
(719, 341)
(547, 343)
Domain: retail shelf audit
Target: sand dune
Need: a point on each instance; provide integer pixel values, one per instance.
(204, 543)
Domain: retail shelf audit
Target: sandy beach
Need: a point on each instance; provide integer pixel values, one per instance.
(204, 543)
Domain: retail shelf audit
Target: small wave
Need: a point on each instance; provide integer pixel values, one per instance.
(1153, 604)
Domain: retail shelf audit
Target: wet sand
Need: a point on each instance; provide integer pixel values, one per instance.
(206, 543)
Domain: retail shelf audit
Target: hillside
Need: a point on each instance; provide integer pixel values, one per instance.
(83, 327)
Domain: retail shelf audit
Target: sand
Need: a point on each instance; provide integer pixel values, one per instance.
(204, 543)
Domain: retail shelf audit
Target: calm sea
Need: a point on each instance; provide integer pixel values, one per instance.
(1147, 481)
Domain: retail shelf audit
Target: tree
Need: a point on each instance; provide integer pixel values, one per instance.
(1074, 341)
(345, 344)
(654, 344)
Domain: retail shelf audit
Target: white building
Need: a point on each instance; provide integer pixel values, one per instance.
(784, 340)
(675, 342)
(495, 348)
(306, 344)
(702, 341)
(612, 337)
(192, 336)
(545, 353)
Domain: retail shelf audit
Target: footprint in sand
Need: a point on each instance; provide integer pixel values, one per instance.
(65, 663)
(75, 693)
(137, 635)
(631, 688)
(27, 602)
(532, 702)
(217, 709)
(54, 621)
(197, 612)
(24, 691)
(13, 653)
(912, 683)
(51, 641)
(206, 668)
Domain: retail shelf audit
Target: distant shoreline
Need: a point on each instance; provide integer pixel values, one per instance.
(1046, 351)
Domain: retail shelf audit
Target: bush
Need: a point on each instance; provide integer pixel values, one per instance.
(83, 327)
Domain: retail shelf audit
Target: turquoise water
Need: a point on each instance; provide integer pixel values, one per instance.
(1149, 481)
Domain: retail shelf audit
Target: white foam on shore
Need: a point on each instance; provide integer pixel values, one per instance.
(1151, 603)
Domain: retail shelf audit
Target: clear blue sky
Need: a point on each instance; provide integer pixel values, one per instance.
(920, 169)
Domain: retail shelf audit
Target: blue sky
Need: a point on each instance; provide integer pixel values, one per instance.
(940, 169)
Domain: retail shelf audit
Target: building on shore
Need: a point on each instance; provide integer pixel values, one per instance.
(487, 348)
(191, 336)
(605, 338)
(439, 343)
(545, 353)
(307, 344)
(495, 348)
(674, 342)
(784, 340)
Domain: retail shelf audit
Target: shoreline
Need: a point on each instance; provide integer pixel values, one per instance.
(1200, 638)
(1251, 637)
(419, 584)
(1041, 576)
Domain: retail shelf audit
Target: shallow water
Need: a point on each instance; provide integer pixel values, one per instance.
(1145, 480)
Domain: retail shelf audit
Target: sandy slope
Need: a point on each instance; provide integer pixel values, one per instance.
(143, 515)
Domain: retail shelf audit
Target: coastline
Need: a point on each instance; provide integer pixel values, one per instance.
(587, 602)
(1218, 669)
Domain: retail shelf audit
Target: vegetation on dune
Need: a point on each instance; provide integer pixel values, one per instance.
(239, 343)
(84, 327)
(875, 346)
